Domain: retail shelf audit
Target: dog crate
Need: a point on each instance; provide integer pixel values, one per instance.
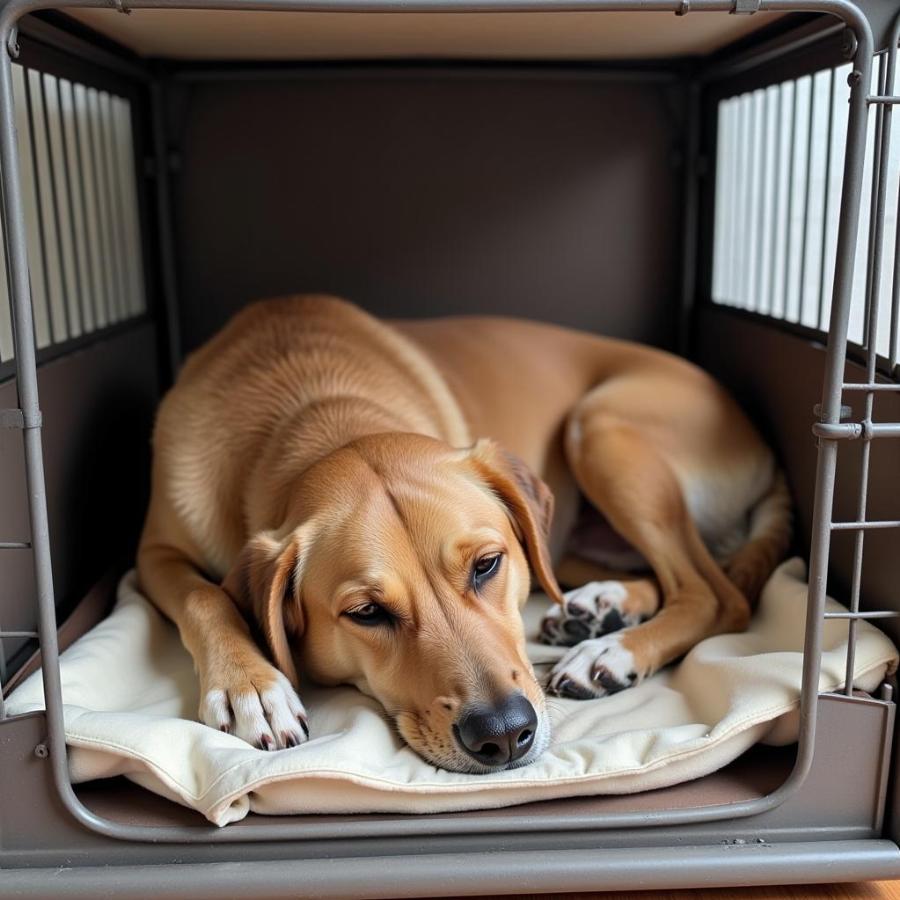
(719, 177)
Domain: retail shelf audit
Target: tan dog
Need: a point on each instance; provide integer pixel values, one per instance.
(317, 480)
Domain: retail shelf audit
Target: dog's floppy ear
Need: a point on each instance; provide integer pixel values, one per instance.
(529, 503)
(263, 582)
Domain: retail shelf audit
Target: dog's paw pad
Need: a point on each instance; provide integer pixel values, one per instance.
(591, 611)
(595, 668)
(551, 631)
(576, 631)
(613, 621)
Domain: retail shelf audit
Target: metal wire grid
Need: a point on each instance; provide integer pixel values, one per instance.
(767, 210)
(81, 210)
(865, 430)
(829, 429)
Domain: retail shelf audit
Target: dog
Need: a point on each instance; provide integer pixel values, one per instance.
(366, 502)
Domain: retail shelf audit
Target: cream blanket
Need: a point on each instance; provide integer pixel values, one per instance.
(131, 696)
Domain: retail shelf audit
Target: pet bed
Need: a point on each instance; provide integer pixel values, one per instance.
(130, 697)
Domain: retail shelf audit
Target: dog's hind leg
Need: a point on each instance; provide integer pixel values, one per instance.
(622, 469)
(750, 566)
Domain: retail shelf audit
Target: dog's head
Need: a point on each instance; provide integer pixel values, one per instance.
(402, 571)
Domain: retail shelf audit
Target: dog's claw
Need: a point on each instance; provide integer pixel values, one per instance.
(304, 725)
(602, 676)
(565, 687)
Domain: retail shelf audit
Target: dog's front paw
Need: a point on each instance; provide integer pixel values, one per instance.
(255, 702)
(595, 609)
(594, 668)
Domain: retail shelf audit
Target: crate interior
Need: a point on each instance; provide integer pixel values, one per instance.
(420, 165)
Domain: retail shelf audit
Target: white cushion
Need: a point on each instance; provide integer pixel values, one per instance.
(131, 697)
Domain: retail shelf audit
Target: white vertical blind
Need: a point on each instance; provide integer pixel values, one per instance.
(30, 204)
(62, 201)
(779, 167)
(77, 165)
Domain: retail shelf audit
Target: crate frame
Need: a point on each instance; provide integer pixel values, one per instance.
(830, 429)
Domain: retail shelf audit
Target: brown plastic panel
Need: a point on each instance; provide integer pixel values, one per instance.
(98, 406)
(431, 195)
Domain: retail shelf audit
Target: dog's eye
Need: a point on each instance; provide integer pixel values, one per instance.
(485, 568)
(369, 614)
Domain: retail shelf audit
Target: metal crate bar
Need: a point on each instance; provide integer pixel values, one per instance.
(883, 113)
(491, 823)
(3, 674)
(882, 614)
(864, 526)
(867, 431)
(875, 387)
(15, 545)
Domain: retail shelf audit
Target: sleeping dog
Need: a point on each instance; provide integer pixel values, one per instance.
(361, 502)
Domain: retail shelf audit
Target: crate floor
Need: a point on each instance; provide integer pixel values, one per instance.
(755, 774)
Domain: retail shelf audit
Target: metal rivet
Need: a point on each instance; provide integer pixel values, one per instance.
(41, 751)
(849, 43)
(683, 8)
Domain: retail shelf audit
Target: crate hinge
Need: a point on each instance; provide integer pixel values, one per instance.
(16, 418)
(12, 42)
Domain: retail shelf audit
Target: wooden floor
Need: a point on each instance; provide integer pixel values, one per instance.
(875, 890)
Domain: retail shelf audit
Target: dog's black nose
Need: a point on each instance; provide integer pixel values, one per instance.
(497, 735)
